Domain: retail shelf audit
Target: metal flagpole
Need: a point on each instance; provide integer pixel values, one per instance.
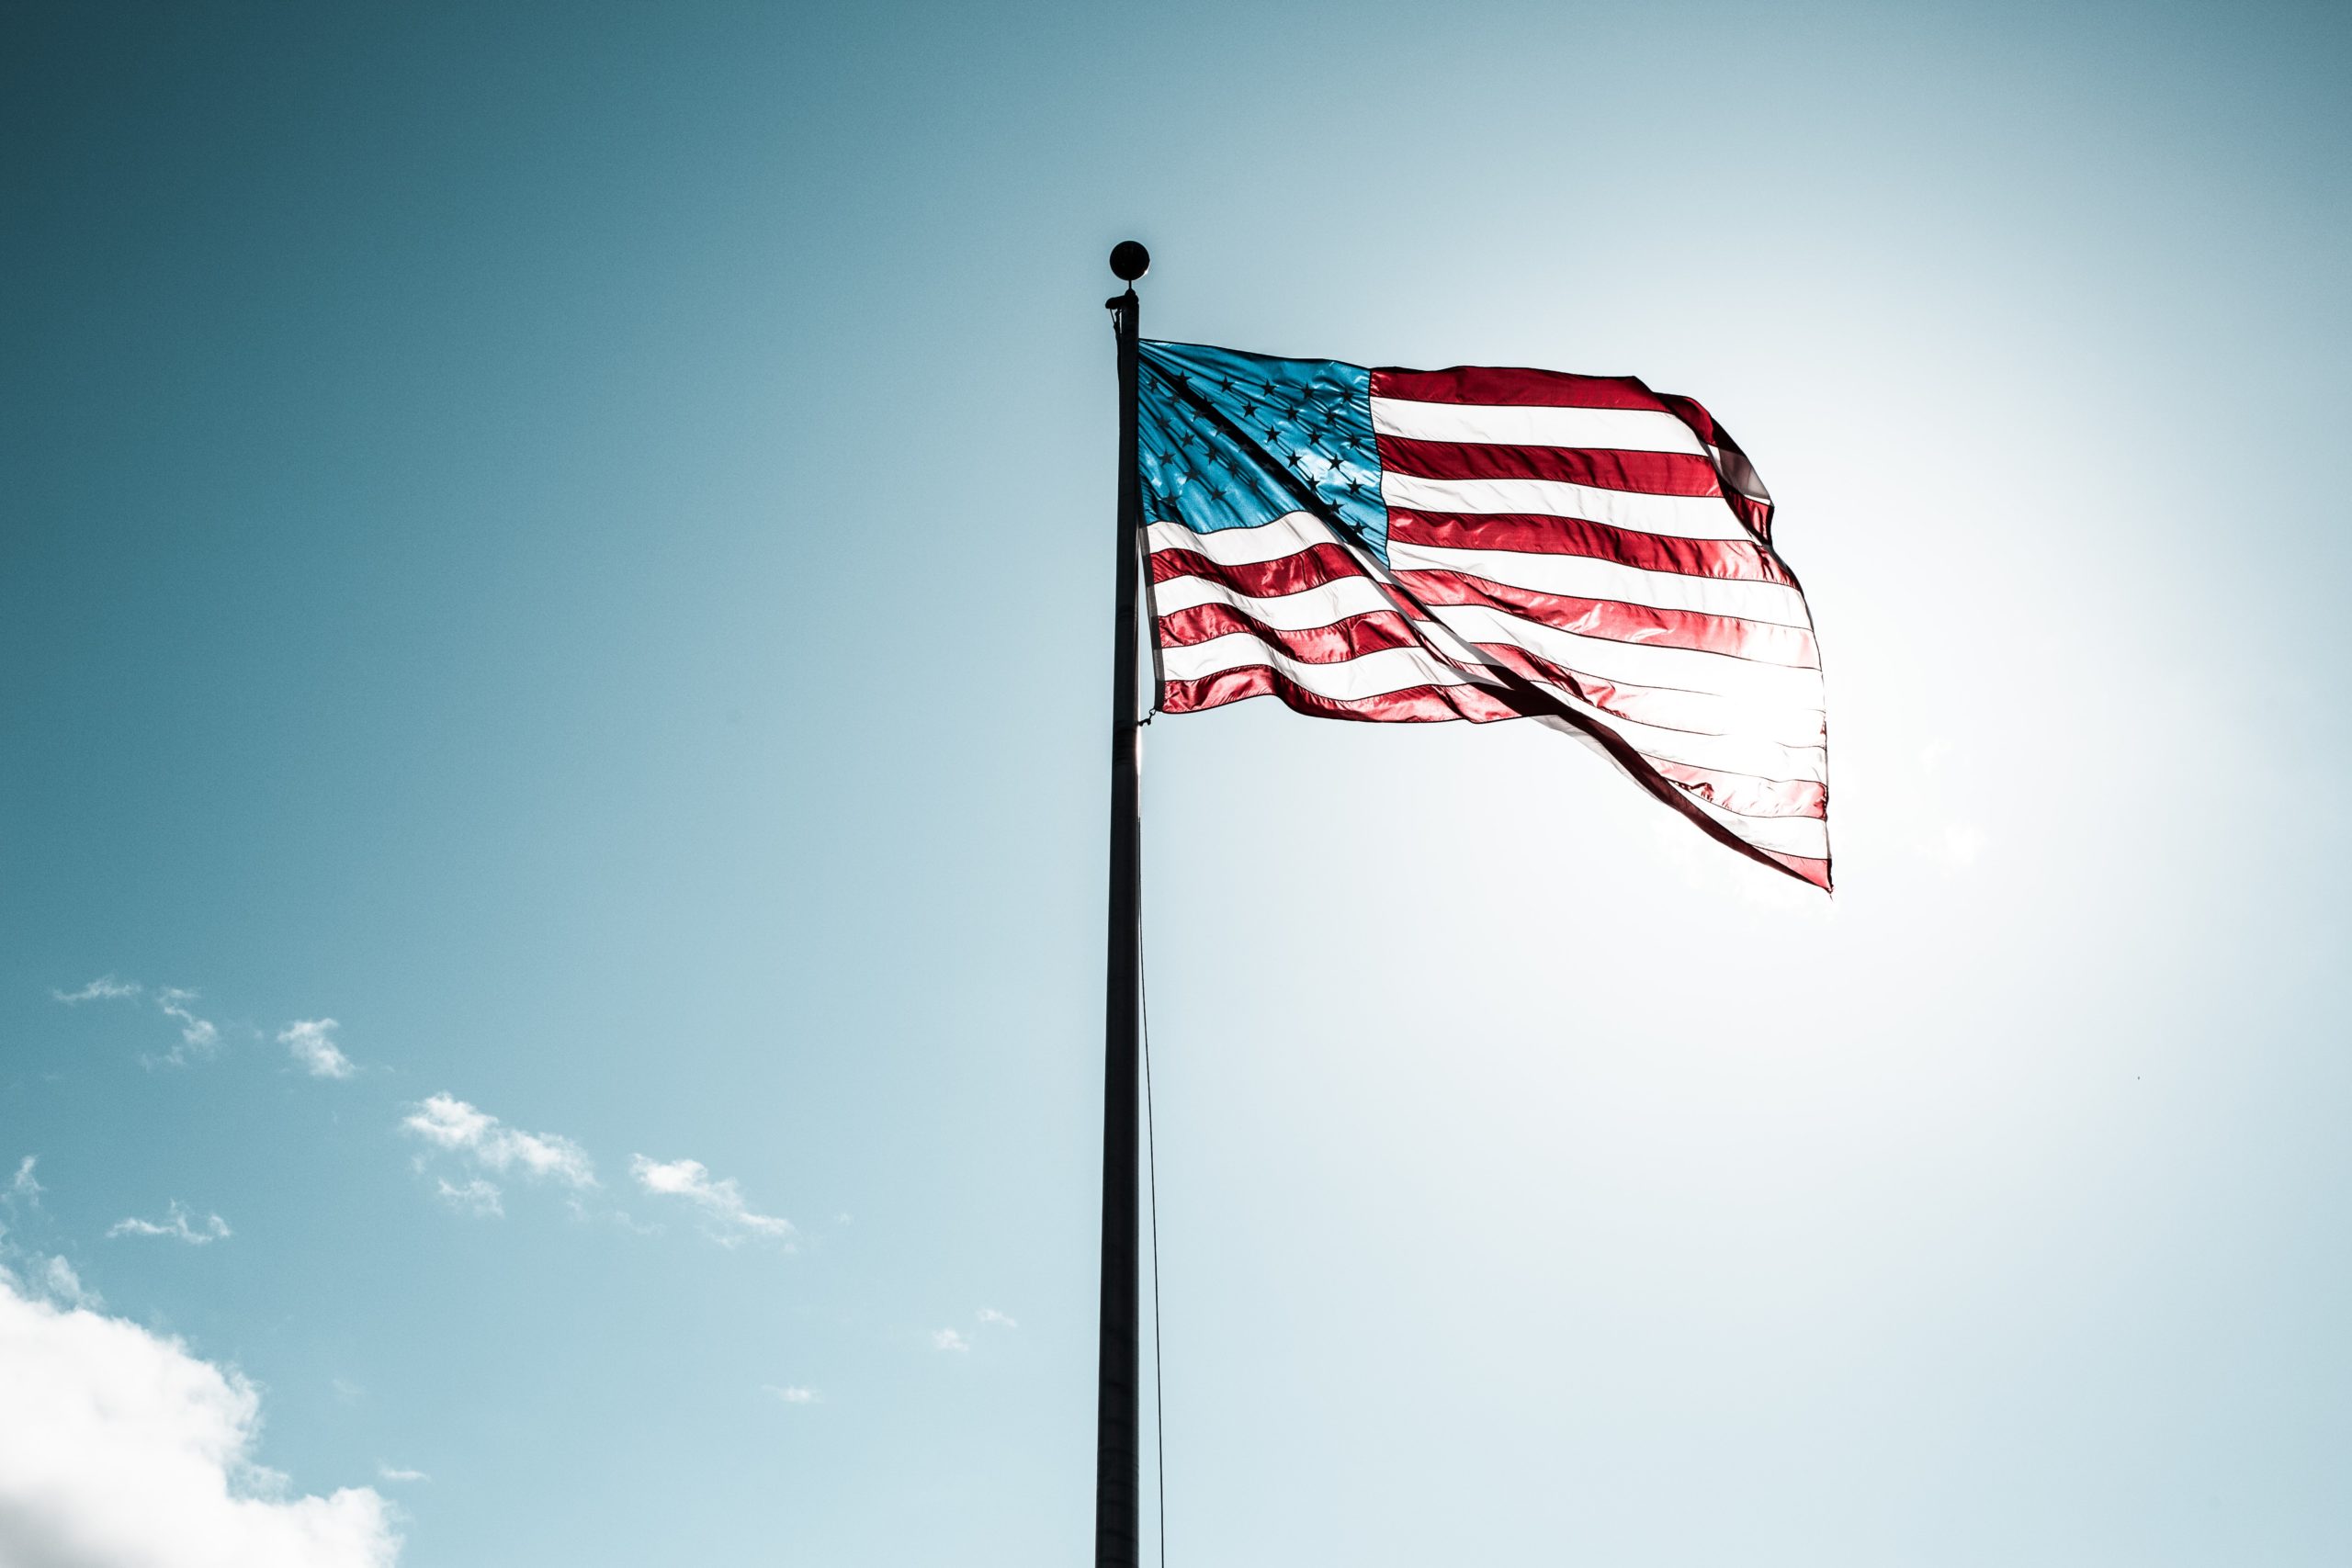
(1118, 1459)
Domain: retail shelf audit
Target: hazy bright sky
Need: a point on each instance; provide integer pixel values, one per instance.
(574, 542)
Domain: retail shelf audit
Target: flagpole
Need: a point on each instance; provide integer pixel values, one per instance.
(1118, 1460)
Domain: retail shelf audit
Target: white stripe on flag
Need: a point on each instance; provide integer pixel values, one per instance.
(1299, 612)
(1286, 535)
(1676, 516)
(1617, 429)
(1640, 664)
(1586, 577)
(1745, 754)
(1705, 713)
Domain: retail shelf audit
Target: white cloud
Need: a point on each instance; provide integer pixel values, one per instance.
(729, 1218)
(123, 1450)
(312, 1043)
(476, 1197)
(174, 1223)
(948, 1339)
(23, 1186)
(105, 988)
(198, 1035)
(65, 1285)
(393, 1473)
(448, 1123)
(989, 1315)
(792, 1393)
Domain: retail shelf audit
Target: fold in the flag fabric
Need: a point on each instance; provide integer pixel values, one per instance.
(1407, 546)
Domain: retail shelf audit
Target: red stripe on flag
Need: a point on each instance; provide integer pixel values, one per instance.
(1371, 633)
(1516, 389)
(1759, 640)
(1803, 866)
(1415, 704)
(1750, 796)
(1757, 515)
(1690, 411)
(1731, 561)
(1309, 568)
(1646, 473)
(1740, 481)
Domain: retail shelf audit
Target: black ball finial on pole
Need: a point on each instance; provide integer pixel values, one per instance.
(1129, 261)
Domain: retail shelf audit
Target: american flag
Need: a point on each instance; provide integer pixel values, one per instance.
(1407, 546)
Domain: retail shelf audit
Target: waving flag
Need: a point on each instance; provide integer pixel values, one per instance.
(1407, 546)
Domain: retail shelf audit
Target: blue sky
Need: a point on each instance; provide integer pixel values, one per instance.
(574, 542)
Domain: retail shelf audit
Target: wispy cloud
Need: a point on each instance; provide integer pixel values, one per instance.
(729, 1218)
(448, 1123)
(21, 1194)
(393, 1473)
(989, 1315)
(310, 1042)
(105, 988)
(476, 1197)
(620, 1219)
(949, 1339)
(64, 1285)
(175, 1224)
(198, 1038)
(793, 1393)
